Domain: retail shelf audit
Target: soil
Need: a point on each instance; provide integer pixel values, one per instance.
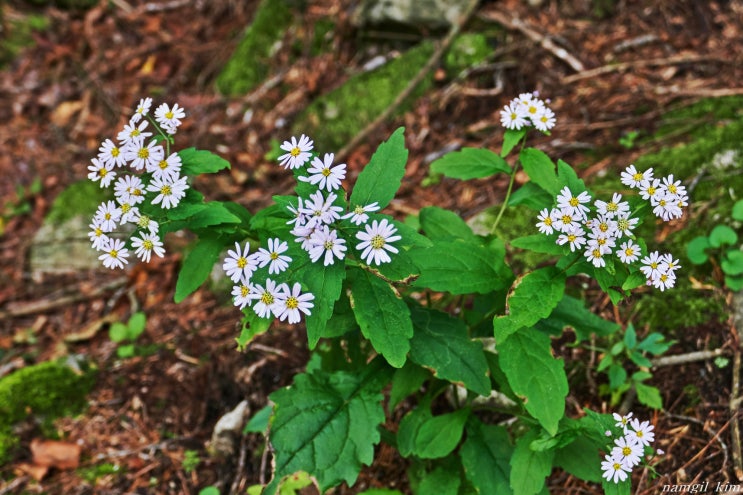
(78, 83)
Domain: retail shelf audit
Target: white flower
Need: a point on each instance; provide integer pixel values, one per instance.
(651, 265)
(673, 187)
(298, 152)
(650, 190)
(167, 169)
(629, 252)
(169, 192)
(145, 222)
(299, 218)
(128, 212)
(574, 205)
(266, 297)
(602, 241)
(143, 108)
(102, 171)
(666, 280)
(533, 108)
(273, 257)
(241, 294)
(666, 207)
(169, 118)
(145, 245)
(604, 225)
(289, 303)
(625, 224)
(141, 155)
(325, 241)
(97, 237)
(525, 98)
(641, 432)
(668, 264)
(376, 241)
(613, 469)
(612, 208)
(108, 214)
(595, 255)
(622, 421)
(115, 254)
(238, 265)
(125, 188)
(320, 210)
(574, 236)
(324, 175)
(627, 451)
(547, 219)
(110, 153)
(303, 234)
(359, 214)
(545, 120)
(513, 116)
(632, 178)
(564, 220)
(133, 133)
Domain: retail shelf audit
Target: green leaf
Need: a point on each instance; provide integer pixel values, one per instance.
(532, 297)
(721, 235)
(197, 266)
(572, 312)
(253, 325)
(630, 337)
(734, 282)
(732, 262)
(381, 178)
(440, 343)
(470, 163)
(529, 468)
(126, 351)
(196, 162)
(538, 243)
(617, 376)
(444, 225)
(439, 436)
(737, 212)
(209, 490)
(259, 422)
(640, 360)
(540, 169)
(407, 380)
(382, 315)
(327, 424)
(579, 459)
(510, 139)
(136, 325)
(485, 456)
(118, 332)
(634, 280)
(654, 343)
(532, 196)
(325, 283)
(649, 395)
(566, 176)
(441, 481)
(380, 491)
(611, 488)
(213, 213)
(460, 268)
(536, 376)
(696, 250)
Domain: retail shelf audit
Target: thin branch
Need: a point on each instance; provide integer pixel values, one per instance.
(622, 66)
(687, 358)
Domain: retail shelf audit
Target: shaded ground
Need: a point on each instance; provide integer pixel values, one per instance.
(75, 87)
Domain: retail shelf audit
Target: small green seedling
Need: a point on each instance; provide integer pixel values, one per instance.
(126, 334)
(722, 246)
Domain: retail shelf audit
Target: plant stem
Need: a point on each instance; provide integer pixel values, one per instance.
(505, 200)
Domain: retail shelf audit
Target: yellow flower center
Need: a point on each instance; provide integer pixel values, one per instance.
(274, 255)
(102, 172)
(98, 232)
(628, 252)
(637, 177)
(328, 245)
(166, 190)
(125, 207)
(639, 434)
(596, 253)
(113, 253)
(572, 237)
(548, 221)
(143, 221)
(169, 115)
(148, 245)
(651, 191)
(143, 153)
(115, 152)
(377, 242)
(107, 216)
(567, 219)
(244, 290)
(358, 210)
(137, 192)
(626, 451)
(134, 133)
(611, 206)
(267, 298)
(292, 302)
(242, 262)
(163, 164)
(603, 227)
(326, 171)
(295, 151)
(573, 201)
(623, 224)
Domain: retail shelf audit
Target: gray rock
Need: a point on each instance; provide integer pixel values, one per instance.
(420, 15)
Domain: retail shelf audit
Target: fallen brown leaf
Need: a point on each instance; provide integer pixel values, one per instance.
(53, 453)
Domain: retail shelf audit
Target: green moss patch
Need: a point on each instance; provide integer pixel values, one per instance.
(19, 34)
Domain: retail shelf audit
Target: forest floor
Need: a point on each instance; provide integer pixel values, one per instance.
(78, 82)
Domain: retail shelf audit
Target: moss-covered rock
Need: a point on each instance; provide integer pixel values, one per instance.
(47, 390)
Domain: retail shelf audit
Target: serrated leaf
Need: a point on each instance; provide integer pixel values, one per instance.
(327, 424)
(536, 376)
(540, 169)
(460, 268)
(654, 343)
(566, 176)
(194, 162)
(325, 283)
(529, 468)
(721, 235)
(579, 459)
(470, 163)
(510, 139)
(440, 343)
(444, 225)
(197, 266)
(381, 178)
(649, 395)
(572, 312)
(485, 455)
(617, 376)
(539, 243)
(732, 262)
(213, 213)
(383, 317)
(630, 337)
(441, 481)
(258, 423)
(634, 280)
(695, 250)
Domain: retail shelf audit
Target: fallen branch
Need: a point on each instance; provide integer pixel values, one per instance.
(405, 93)
(686, 358)
(622, 66)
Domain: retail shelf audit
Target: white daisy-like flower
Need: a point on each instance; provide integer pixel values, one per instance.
(128, 212)
(533, 108)
(604, 225)
(272, 256)
(266, 298)
(146, 245)
(673, 186)
(613, 469)
(668, 264)
(666, 280)
(513, 116)
(563, 219)
(612, 208)
(376, 241)
(595, 255)
(114, 254)
(321, 210)
(97, 237)
(641, 432)
(545, 121)
(297, 152)
(632, 178)
(629, 252)
(650, 190)
(303, 234)
(145, 222)
(622, 421)
(625, 225)
(110, 153)
(574, 236)
(359, 215)
(547, 219)
(298, 218)
(133, 133)
(241, 293)
(169, 118)
(129, 189)
(326, 241)
(324, 175)
(289, 303)
(602, 241)
(666, 207)
(170, 192)
(651, 265)
(141, 155)
(238, 265)
(525, 98)
(101, 172)
(166, 169)
(108, 214)
(627, 451)
(143, 108)
(575, 205)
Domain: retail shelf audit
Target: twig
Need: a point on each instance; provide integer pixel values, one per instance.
(700, 92)
(14, 484)
(438, 52)
(704, 449)
(618, 67)
(734, 405)
(686, 358)
(239, 481)
(544, 41)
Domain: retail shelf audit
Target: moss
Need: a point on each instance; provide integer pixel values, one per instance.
(79, 198)
(19, 35)
(48, 390)
(251, 61)
(467, 50)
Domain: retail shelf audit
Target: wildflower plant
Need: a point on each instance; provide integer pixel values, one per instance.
(402, 311)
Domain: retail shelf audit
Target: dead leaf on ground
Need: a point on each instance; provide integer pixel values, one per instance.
(56, 454)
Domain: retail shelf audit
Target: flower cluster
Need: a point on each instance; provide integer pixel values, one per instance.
(608, 229)
(628, 449)
(526, 110)
(137, 150)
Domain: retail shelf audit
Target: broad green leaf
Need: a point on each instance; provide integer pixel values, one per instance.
(532, 196)
(695, 250)
(325, 283)
(196, 162)
(535, 375)
(721, 235)
(532, 297)
(185, 210)
(649, 395)
(136, 325)
(382, 315)
(444, 225)
(734, 282)
(253, 325)
(566, 176)
(407, 380)
(572, 312)
(654, 343)
(441, 481)
(407, 431)
(540, 169)
(380, 179)
(579, 459)
(197, 266)
(737, 212)
(460, 268)
(213, 213)
(630, 337)
(529, 468)
(539, 243)
(258, 423)
(209, 490)
(485, 456)
(470, 163)
(510, 139)
(732, 262)
(621, 488)
(634, 280)
(327, 424)
(439, 435)
(617, 376)
(118, 332)
(440, 343)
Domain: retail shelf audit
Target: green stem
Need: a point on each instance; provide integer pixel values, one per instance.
(505, 200)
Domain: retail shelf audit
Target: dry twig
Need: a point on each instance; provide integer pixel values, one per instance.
(686, 358)
(619, 67)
